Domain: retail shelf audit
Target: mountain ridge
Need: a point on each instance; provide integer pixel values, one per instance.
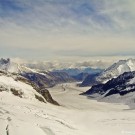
(120, 89)
(113, 71)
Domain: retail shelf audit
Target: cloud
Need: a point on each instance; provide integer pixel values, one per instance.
(88, 16)
(50, 28)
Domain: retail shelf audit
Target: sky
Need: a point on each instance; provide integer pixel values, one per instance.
(53, 29)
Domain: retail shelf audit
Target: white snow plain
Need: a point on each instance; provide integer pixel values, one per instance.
(77, 115)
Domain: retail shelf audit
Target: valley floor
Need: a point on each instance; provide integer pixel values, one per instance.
(77, 115)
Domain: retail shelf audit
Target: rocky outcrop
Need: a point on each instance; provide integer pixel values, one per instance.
(120, 85)
(40, 98)
(16, 92)
(41, 94)
(46, 94)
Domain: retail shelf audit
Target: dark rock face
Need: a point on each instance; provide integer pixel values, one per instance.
(16, 92)
(3, 89)
(46, 94)
(39, 98)
(41, 80)
(89, 80)
(50, 79)
(117, 85)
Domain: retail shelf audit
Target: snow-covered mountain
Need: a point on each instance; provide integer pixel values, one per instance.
(42, 78)
(28, 83)
(120, 89)
(23, 88)
(23, 110)
(112, 72)
(80, 74)
(12, 67)
(117, 69)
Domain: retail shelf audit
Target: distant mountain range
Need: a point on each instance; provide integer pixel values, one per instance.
(77, 71)
(48, 78)
(36, 80)
(59, 65)
(117, 81)
(79, 74)
(112, 72)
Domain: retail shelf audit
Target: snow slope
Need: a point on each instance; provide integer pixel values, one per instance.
(76, 116)
(116, 69)
(10, 85)
(111, 72)
(96, 118)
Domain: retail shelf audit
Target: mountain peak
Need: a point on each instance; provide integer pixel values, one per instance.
(4, 61)
(117, 68)
(113, 71)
